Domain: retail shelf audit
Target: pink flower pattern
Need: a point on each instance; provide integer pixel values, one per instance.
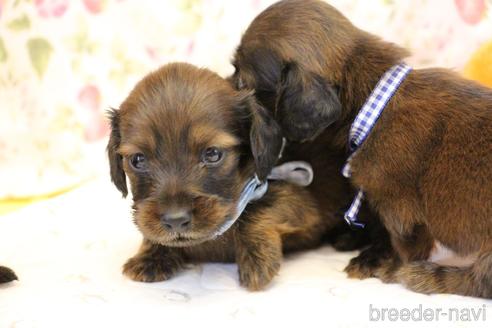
(471, 11)
(51, 8)
(49, 54)
(96, 127)
(90, 97)
(94, 6)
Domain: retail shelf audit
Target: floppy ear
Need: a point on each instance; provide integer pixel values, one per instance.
(306, 104)
(265, 137)
(116, 160)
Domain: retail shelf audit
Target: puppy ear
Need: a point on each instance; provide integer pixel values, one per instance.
(116, 160)
(265, 136)
(306, 104)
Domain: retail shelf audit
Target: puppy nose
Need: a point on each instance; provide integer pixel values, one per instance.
(176, 221)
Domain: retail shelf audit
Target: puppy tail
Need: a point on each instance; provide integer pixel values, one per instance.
(431, 278)
(7, 275)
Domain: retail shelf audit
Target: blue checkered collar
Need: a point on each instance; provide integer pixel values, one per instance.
(296, 172)
(365, 121)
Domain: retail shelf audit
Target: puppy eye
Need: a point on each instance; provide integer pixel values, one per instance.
(138, 162)
(212, 155)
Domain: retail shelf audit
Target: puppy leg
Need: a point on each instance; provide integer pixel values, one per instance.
(153, 262)
(258, 254)
(385, 256)
(415, 246)
(7, 275)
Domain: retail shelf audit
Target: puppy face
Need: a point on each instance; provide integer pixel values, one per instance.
(188, 143)
(303, 103)
(287, 56)
(296, 55)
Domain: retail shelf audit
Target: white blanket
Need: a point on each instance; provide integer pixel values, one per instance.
(68, 254)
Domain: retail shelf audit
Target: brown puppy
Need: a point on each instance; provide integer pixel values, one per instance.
(426, 167)
(6, 275)
(189, 143)
(305, 103)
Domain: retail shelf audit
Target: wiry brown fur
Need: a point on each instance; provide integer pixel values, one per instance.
(426, 167)
(291, 84)
(171, 116)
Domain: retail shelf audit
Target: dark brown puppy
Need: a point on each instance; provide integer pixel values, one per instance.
(426, 167)
(6, 275)
(188, 143)
(304, 103)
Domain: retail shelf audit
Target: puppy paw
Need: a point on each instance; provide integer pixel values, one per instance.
(255, 274)
(369, 264)
(360, 268)
(7, 275)
(148, 269)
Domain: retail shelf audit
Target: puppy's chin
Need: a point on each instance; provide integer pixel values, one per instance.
(185, 239)
(205, 226)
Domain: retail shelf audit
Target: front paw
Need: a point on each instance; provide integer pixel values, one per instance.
(367, 264)
(360, 268)
(148, 269)
(255, 274)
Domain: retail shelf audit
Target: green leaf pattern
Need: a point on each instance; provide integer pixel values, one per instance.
(50, 50)
(39, 52)
(3, 51)
(20, 23)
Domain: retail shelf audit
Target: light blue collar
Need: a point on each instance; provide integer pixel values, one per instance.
(365, 121)
(299, 173)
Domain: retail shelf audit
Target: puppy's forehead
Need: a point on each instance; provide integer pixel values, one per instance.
(175, 102)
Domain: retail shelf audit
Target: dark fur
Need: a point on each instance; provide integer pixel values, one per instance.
(426, 168)
(171, 116)
(305, 103)
(7, 275)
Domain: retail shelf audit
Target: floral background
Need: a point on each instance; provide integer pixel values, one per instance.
(63, 63)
